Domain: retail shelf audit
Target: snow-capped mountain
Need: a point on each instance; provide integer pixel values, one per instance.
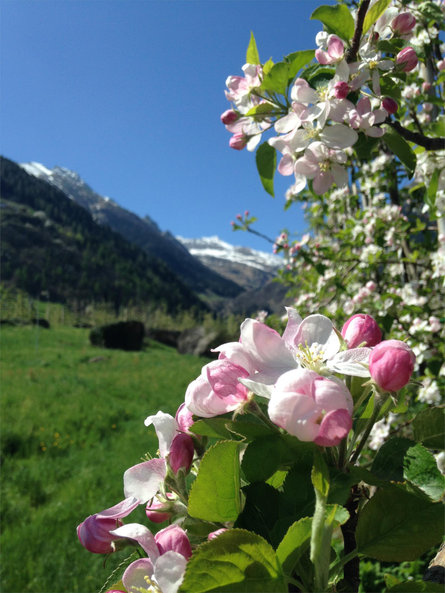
(245, 266)
(209, 266)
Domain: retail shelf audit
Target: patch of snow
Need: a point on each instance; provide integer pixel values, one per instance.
(216, 248)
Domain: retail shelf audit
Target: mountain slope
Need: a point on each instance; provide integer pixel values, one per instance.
(51, 244)
(143, 232)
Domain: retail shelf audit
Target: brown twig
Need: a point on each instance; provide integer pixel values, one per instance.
(419, 139)
(351, 54)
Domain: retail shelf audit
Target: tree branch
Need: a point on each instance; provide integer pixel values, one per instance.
(419, 139)
(351, 54)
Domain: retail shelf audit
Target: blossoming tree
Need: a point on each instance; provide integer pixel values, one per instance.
(266, 478)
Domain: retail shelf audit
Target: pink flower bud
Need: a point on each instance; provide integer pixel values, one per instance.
(407, 59)
(181, 453)
(173, 538)
(441, 65)
(229, 117)
(341, 90)
(157, 511)
(361, 329)
(403, 23)
(390, 105)
(238, 141)
(391, 364)
(426, 86)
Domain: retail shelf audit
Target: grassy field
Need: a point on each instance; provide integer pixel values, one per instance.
(71, 423)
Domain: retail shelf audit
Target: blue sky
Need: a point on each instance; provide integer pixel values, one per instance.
(128, 93)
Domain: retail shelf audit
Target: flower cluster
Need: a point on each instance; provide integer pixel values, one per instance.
(317, 124)
(300, 376)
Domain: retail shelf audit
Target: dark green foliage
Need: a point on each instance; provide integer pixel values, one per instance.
(52, 245)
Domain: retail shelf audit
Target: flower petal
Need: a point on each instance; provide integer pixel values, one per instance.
(140, 534)
(144, 479)
(166, 427)
(134, 577)
(318, 329)
(351, 362)
(169, 571)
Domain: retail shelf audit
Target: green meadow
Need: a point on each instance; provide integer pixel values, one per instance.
(72, 421)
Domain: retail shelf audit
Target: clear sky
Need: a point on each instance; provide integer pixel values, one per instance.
(128, 93)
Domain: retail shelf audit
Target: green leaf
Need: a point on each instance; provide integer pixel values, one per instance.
(430, 197)
(388, 462)
(401, 149)
(263, 110)
(266, 161)
(396, 525)
(237, 560)
(277, 79)
(429, 428)
(299, 59)
(374, 13)
(252, 55)
(337, 19)
(228, 429)
(258, 463)
(215, 494)
(294, 544)
(420, 468)
(417, 587)
(364, 146)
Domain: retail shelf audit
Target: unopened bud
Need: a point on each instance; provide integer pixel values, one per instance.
(407, 59)
(158, 511)
(238, 141)
(391, 364)
(403, 23)
(229, 117)
(390, 105)
(361, 329)
(173, 538)
(181, 453)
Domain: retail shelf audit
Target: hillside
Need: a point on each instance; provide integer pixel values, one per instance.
(143, 232)
(51, 245)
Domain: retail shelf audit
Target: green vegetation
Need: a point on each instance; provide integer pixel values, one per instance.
(52, 245)
(71, 424)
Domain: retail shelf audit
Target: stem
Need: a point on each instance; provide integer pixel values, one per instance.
(378, 402)
(350, 561)
(296, 582)
(351, 54)
(419, 139)
(337, 567)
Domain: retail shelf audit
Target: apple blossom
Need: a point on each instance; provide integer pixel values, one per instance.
(334, 52)
(168, 552)
(94, 532)
(311, 407)
(217, 390)
(391, 364)
(174, 446)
